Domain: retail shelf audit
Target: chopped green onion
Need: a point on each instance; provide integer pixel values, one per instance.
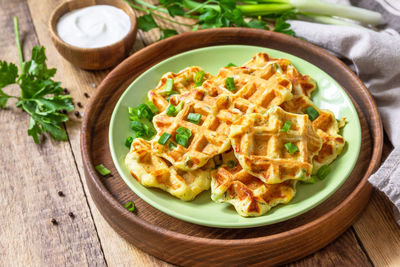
(291, 148)
(132, 111)
(323, 172)
(230, 84)
(183, 140)
(231, 163)
(198, 79)
(130, 206)
(312, 113)
(164, 138)
(171, 110)
(194, 118)
(230, 64)
(128, 141)
(171, 145)
(286, 126)
(178, 108)
(152, 107)
(310, 180)
(144, 111)
(184, 131)
(169, 84)
(102, 170)
(137, 126)
(170, 94)
(277, 67)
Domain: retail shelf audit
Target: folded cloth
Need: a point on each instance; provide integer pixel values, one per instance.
(375, 57)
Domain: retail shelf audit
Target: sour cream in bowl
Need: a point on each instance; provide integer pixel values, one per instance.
(93, 36)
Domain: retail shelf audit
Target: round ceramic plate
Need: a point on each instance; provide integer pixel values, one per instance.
(203, 210)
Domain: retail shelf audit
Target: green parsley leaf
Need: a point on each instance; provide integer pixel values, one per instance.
(257, 24)
(166, 33)
(146, 23)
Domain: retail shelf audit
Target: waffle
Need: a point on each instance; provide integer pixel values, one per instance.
(258, 143)
(302, 85)
(248, 194)
(153, 171)
(256, 91)
(208, 139)
(183, 82)
(327, 128)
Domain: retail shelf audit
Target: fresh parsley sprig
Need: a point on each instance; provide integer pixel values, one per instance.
(41, 97)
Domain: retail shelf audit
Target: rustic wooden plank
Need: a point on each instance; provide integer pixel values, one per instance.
(377, 228)
(116, 250)
(32, 175)
(342, 252)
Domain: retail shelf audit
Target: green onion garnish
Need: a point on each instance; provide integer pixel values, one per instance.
(194, 118)
(170, 94)
(102, 170)
(171, 145)
(286, 126)
(323, 171)
(230, 64)
(169, 84)
(184, 131)
(137, 126)
(171, 110)
(198, 79)
(164, 138)
(128, 141)
(231, 163)
(312, 113)
(132, 111)
(230, 84)
(183, 140)
(152, 107)
(291, 148)
(130, 206)
(277, 67)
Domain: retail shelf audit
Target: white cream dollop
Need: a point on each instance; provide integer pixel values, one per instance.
(93, 26)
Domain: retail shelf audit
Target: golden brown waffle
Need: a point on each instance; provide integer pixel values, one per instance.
(254, 91)
(248, 194)
(301, 84)
(154, 171)
(259, 144)
(208, 139)
(327, 128)
(183, 81)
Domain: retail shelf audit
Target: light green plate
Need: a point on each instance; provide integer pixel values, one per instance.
(203, 210)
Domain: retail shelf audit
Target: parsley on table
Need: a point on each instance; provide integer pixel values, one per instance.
(41, 97)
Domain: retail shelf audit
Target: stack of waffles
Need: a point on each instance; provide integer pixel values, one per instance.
(253, 141)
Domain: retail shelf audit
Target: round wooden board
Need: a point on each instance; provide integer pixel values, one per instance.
(187, 244)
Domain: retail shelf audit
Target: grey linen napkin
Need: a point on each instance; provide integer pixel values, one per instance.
(375, 57)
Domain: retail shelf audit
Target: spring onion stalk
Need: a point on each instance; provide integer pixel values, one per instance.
(316, 7)
(329, 9)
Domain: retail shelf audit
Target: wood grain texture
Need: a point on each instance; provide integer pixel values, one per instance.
(117, 251)
(189, 244)
(93, 58)
(377, 228)
(24, 231)
(32, 175)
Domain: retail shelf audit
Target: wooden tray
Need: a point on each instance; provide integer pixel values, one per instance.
(187, 244)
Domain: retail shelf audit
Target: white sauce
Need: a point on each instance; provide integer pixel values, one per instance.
(93, 26)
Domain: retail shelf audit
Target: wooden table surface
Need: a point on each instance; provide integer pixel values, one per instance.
(32, 175)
